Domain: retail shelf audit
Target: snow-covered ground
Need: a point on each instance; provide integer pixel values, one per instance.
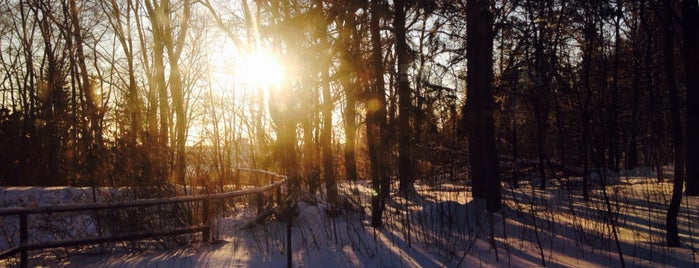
(440, 227)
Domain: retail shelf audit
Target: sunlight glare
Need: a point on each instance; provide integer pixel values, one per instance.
(259, 69)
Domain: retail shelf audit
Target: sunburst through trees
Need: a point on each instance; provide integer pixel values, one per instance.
(183, 92)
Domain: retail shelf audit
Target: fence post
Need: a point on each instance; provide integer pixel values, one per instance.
(259, 201)
(23, 238)
(206, 234)
(258, 196)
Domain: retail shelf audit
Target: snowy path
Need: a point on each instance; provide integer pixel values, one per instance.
(446, 228)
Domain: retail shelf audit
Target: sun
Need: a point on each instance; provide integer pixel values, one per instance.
(259, 69)
(235, 71)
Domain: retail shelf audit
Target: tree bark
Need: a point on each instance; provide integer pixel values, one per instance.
(327, 108)
(690, 15)
(541, 97)
(405, 171)
(350, 62)
(376, 120)
(159, 92)
(588, 56)
(310, 162)
(326, 142)
(350, 134)
(480, 104)
(672, 236)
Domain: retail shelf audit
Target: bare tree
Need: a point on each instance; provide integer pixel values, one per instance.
(673, 239)
(479, 108)
(376, 119)
(328, 103)
(167, 39)
(350, 62)
(405, 101)
(690, 31)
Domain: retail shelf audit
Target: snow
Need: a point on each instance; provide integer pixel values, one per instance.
(441, 226)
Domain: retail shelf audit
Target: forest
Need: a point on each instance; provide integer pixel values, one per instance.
(489, 95)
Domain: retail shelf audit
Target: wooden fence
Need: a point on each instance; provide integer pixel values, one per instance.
(204, 227)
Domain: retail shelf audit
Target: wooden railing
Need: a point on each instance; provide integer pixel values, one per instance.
(205, 227)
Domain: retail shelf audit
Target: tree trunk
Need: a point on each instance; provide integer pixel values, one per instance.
(348, 46)
(541, 101)
(587, 70)
(310, 166)
(159, 93)
(655, 97)
(93, 134)
(376, 120)
(180, 123)
(326, 142)
(174, 48)
(673, 239)
(690, 15)
(480, 104)
(632, 160)
(405, 171)
(327, 109)
(350, 134)
(614, 154)
(49, 150)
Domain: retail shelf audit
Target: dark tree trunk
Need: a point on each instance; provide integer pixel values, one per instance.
(48, 153)
(480, 104)
(655, 97)
(614, 154)
(310, 166)
(405, 171)
(541, 101)
(589, 33)
(327, 109)
(93, 135)
(311, 121)
(376, 121)
(326, 143)
(349, 65)
(350, 135)
(690, 15)
(632, 153)
(673, 239)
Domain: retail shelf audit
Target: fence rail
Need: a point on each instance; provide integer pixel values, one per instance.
(205, 228)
